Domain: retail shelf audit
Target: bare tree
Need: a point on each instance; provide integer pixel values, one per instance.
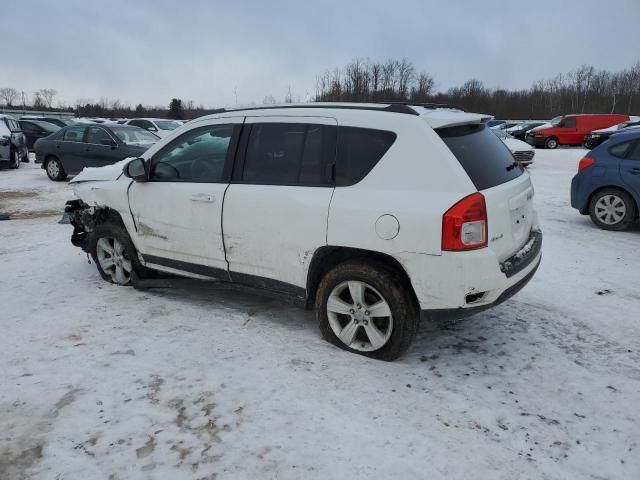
(45, 96)
(268, 100)
(8, 95)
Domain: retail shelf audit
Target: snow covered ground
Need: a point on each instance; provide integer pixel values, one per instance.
(104, 382)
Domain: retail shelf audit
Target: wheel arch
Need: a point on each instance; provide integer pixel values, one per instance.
(328, 256)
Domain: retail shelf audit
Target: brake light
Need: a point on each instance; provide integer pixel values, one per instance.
(464, 226)
(585, 163)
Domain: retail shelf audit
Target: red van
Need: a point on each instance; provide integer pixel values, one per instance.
(571, 129)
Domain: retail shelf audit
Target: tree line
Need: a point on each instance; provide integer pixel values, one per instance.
(582, 90)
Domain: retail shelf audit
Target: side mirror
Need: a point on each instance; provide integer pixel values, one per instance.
(136, 170)
(109, 143)
(152, 129)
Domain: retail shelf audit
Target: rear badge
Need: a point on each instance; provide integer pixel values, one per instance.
(497, 237)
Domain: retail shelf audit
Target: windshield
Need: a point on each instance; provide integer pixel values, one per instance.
(556, 120)
(167, 124)
(134, 135)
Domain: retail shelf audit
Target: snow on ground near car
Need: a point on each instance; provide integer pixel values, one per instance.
(99, 381)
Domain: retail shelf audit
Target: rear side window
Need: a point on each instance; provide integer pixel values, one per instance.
(484, 157)
(288, 154)
(620, 150)
(73, 134)
(635, 152)
(359, 150)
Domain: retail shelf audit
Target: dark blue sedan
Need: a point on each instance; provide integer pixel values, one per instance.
(607, 185)
(72, 148)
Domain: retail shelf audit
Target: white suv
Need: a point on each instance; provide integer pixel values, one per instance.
(369, 213)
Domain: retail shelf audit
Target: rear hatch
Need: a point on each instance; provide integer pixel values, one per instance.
(506, 187)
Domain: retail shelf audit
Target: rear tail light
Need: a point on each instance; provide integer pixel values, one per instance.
(585, 162)
(464, 226)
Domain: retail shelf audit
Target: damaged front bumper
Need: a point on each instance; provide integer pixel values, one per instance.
(84, 219)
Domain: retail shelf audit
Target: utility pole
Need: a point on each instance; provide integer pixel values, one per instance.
(24, 106)
(235, 93)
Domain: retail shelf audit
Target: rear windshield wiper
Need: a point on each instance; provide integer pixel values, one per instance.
(512, 166)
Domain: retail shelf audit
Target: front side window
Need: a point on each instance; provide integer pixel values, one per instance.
(197, 156)
(73, 134)
(288, 153)
(98, 136)
(359, 150)
(569, 123)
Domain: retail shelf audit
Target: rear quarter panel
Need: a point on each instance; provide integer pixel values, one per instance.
(416, 181)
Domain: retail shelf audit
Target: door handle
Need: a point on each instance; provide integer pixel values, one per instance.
(635, 171)
(203, 197)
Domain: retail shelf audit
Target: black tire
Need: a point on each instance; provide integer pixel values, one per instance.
(13, 154)
(391, 286)
(113, 229)
(25, 159)
(551, 143)
(596, 209)
(58, 174)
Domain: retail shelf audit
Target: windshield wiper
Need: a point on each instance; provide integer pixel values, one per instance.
(512, 166)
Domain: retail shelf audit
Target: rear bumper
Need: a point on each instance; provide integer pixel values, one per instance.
(579, 193)
(461, 283)
(449, 314)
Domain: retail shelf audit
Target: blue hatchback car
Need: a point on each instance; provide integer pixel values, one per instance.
(607, 185)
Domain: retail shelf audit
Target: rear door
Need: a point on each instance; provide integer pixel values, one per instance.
(507, 189)
(630, 169)
(69, 148)
(178, 212)
(276, 208)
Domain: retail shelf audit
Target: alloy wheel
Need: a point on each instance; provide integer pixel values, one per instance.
(359, 316)
(113, 260)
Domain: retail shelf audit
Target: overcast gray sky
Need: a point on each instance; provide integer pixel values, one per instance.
(150, 51)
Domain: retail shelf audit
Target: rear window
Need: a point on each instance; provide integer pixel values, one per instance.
(484, 157)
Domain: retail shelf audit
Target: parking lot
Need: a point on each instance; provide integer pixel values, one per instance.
(206, 382)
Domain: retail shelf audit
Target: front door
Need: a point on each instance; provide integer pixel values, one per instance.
(178, 212)
(276, 208)
(101, 148)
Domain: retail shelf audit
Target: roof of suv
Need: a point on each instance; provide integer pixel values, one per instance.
(437, 116)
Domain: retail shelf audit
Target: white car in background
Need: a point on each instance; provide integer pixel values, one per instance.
(160, 126)
(521, 151)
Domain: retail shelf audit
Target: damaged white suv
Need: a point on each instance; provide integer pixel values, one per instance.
(369, 213)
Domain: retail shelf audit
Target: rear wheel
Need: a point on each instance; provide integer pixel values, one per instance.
(55, 170)
(612, 209)
(366, 308)
(551, 143)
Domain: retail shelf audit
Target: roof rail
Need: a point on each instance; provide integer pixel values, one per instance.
(418, 104)
(392, 107)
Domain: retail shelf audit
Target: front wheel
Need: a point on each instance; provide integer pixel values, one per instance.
(55, 170)
(114, 253)
(366, 308)
(16, 159)
(612, 209)
(551, 143)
